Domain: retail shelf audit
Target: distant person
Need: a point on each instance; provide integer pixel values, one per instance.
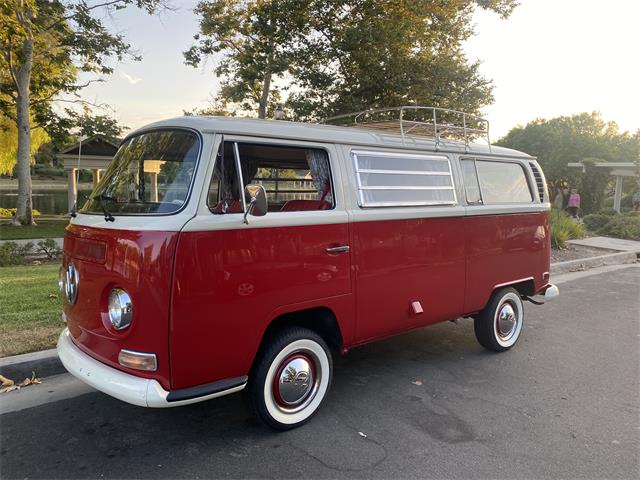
(574, 203)
(636, 201)
(558, 201)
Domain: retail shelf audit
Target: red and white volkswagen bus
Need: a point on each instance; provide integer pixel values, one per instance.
(222, 254)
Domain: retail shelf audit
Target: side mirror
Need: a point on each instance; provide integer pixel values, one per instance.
(256, 198)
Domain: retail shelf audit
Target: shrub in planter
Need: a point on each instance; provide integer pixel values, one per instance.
(563, 228)
(622, 226)
(12, 253)
(595, 221)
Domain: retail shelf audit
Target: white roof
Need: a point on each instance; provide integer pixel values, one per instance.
(326, 134)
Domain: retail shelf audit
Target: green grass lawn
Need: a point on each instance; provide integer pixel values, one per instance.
(30, 309)
(44, 229)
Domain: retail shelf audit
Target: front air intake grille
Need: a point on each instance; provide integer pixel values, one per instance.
(539, 181)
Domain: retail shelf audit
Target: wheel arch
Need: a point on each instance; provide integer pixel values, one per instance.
(525, 287)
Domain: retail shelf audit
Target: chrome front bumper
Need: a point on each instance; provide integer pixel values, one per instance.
(143, 392)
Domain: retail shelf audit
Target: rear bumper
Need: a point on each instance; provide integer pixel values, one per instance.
(143, 392)
(551, 292)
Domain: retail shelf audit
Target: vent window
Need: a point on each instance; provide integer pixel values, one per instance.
(395, 179)
(540, 183)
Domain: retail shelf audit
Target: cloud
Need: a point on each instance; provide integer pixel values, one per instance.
(129, 78)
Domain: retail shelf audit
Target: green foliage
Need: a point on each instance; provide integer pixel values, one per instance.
(13, 253)
(10, 212)
(9, 144)
(625, 226)
(49, 247)
(563, 228)
(30, 313)
(595, 221)
(360, 55)
(256, 39)
(342, 55)
(583, 137)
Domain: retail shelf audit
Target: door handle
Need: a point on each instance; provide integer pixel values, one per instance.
(338, 249)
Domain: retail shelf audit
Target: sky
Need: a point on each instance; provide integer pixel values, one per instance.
(550, 58)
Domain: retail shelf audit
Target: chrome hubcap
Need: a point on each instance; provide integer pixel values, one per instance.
(294, 381)
(507, 321)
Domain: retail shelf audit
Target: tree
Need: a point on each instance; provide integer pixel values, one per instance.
(9, 144)
(584, 138)
(256, 39)
(385, 53)
(45, 44)
(343, 55)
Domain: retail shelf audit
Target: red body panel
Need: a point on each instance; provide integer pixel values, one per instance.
(229, 285)
(142, 264)
(502, 249)
(202, 300)
(402, 261)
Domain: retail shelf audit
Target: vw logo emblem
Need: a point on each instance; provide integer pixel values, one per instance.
(71, 281)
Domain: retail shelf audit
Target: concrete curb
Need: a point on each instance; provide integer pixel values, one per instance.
(44, 364)
(47, 363)
(592, 262)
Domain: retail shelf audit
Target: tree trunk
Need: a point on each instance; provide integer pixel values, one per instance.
(24, 213)
(266, 86)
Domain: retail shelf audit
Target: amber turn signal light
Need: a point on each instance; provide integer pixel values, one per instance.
(138, 360)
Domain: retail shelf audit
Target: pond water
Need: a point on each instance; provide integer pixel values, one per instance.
(48, 202)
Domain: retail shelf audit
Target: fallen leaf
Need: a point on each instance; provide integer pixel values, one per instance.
(9, 385)
(6, 381)
(9, 388)
(363, 435)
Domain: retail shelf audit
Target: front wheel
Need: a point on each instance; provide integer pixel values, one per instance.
(291, 378)
(499, 325)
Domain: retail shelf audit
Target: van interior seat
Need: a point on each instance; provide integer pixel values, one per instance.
(233, 206)
(305, 205)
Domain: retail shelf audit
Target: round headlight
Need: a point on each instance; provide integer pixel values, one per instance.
(120, 309)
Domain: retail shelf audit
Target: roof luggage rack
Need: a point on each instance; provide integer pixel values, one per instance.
(419, 121)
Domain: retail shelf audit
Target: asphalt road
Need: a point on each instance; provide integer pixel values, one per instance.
(432, 404)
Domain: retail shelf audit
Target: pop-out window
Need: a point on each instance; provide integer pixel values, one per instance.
(494, 182)
(295, 178)
(395, 179)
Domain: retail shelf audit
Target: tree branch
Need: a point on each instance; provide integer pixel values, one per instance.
(12, 69)
(69, 17)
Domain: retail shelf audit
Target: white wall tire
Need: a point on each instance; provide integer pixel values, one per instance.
(499, 325)
(291, 378)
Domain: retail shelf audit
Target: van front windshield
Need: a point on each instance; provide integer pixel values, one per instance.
(150, 174)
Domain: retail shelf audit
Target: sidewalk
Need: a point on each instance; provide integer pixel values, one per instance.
(609, 243)
(615, 251)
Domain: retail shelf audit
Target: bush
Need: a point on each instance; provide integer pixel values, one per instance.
(11, 212)
(564, 228)
(50, 248)
(622, 226)
(595, 221)
(12, 253)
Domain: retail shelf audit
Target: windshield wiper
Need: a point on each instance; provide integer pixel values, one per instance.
(107, 215)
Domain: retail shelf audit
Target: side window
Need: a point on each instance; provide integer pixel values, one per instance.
(503, 182)
(396, 179)
(471, 186)
(295, 178)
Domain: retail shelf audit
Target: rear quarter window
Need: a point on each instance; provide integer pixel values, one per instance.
(503, 182)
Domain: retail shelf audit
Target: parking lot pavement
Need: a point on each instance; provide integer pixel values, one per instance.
(428, 404)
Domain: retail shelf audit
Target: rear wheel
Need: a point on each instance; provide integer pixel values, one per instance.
(291, 378)
(499, 325)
